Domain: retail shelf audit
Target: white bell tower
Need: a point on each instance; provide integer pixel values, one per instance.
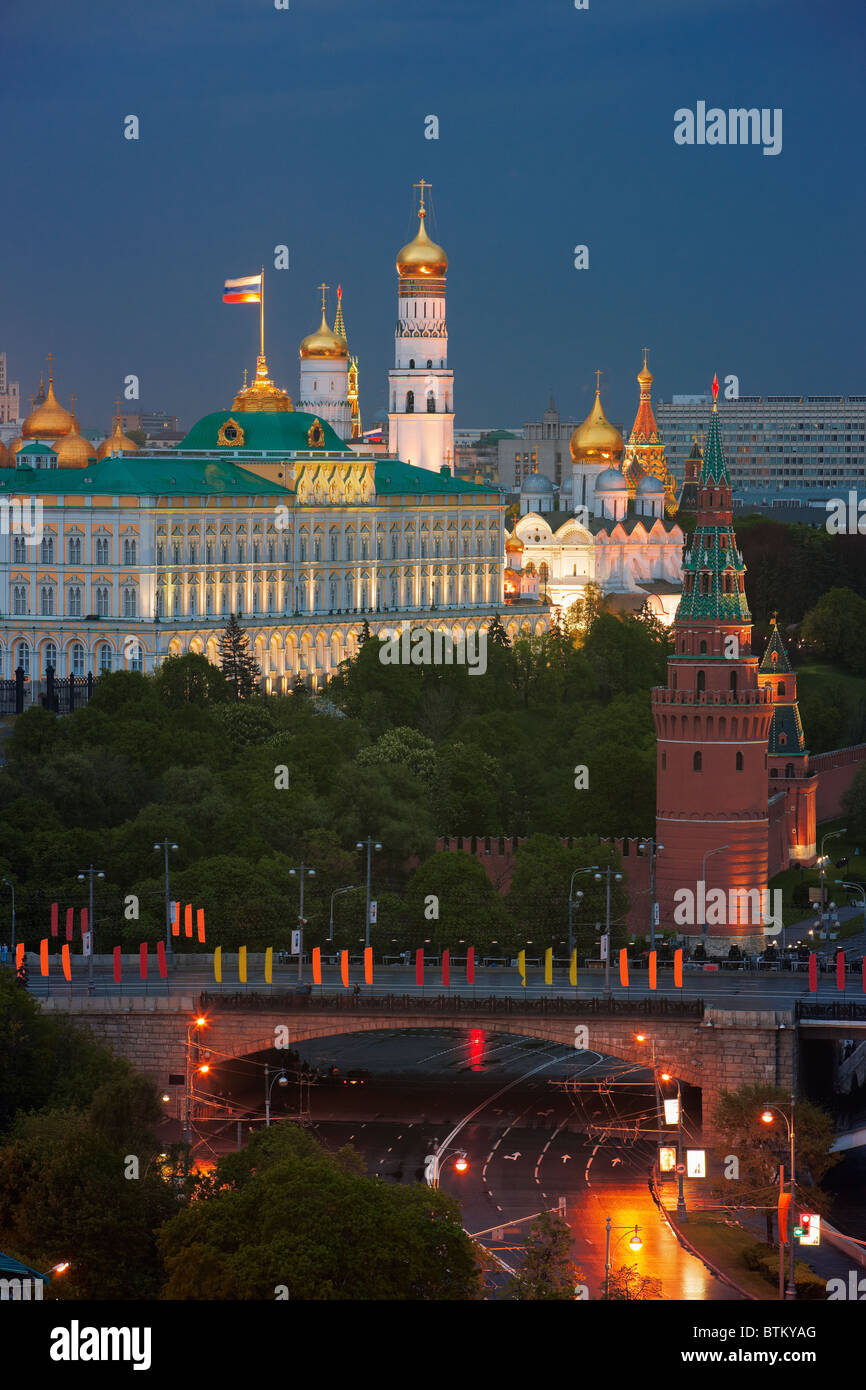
(421, 385)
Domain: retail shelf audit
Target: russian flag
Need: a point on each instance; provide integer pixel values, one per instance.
(247, 290)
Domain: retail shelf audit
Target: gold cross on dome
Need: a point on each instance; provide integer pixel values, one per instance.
(73, 399)
(773, 616)
(323, 287)
(422, 185)
(50, 360)
(598, 380)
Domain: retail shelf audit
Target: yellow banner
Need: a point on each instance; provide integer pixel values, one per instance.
(572, 969)
(548, 966)
(269, 965)
(521, 966)
(218, 964)
(242, 964)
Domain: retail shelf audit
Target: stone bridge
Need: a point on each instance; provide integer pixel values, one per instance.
(713, 1049)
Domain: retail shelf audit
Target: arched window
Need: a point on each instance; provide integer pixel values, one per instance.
(130, 604)
(46, 600)
(781, 690)
(135, 656)
(739, 762)
(703, 648)
(733, 682)
(23, 655)
(410, 402)
(412, 363)
(103, 657)
(19, 600)
(76, 659)
(697, 762)
(431, 403)
(102, 602)
(73, 603)
(46, 551)
(789, 769)
(49, 656)
(675, 680)
(102, 550)
(74, 550)
(129, 552)
(702, 682)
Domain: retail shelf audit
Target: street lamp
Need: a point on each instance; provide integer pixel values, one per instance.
(635, 1244)
(371, 844)
(199, 1022)
(336, 893)
(88, 873)
(642, 1038)
(11, 886)
(578, 896)
(824, 860)
(461, 1164)
(166, 845)
(606, 874)
(767, 1119)
(279, 1080)
(654, 849)
(302, 873)
(708, 855)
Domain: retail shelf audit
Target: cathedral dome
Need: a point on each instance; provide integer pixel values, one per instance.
(514, 545)
(422, 256)
(324, 342)
(73, 451)
(648, 484)
(117, 443)
(610, 480)
(262, 395)
(596, 438)
(536, 483)
(49, 420)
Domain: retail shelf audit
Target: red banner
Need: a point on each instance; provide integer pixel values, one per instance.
(67, 964)
(344, 968)
(368, 965)
(813, 973)
(678, 968)
(317, 965)
(43, 956)
(446, 968)
(470, 966)
(840, 969)
(653, 969)
(142, 960)
(55, 914)
(117, 965)
(70, 922)
(419, 966)
(784, 1205)
(199, 921)
(623, 968)
(187, 920)
(160, 959)
(19, 955)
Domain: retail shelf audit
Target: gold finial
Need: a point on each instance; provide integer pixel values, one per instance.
(50, 360)
(598, 382)
(245, 378)
(773, 616)
(422, 211)
(323, 287)
(645, 352)
(31, 398)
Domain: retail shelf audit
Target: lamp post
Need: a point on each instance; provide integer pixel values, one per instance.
(710, 852)
(336, 893)
(606, 874)
(166, 845)
(302, 873)
(635, 1244)
(279, 1080)
(11, 886)
(461, 1164)
(641, 1038)
(654, 849)
(371, 844)
(767, 1118)
(824, 860)
(88, 873)
(571, 897)
(187, 1127)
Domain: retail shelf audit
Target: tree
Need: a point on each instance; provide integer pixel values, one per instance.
(451, 900)
(626, 1284)
(287, 1212)
(581, 615)
(496, 634)
(538, 896)
(548, 1272)
(364, 634)
(836, 628)
(854, 803)
(761, 1147)
(190, 680)
(406, 746)
(237, 662)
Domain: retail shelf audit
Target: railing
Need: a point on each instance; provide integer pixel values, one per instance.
(299, 1001)
(842, 1009)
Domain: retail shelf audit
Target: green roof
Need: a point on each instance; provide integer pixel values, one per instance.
(34, 447)
(282, 431)
(715, 466)
(392, 476)
(144, 475)
(786, 731)
(782, 663)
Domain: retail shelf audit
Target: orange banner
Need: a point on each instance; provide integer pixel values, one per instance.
(187, 920)
(653, 969)
(67, 967)
(344, 968)
(368, 965)
(19, 955)
(784, 1205)
(317, 965)
(623, 968)
(43, 956)
(678, 968)
(175, 919)
(200, 924)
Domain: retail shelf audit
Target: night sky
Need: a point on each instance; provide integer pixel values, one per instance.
(306, 127)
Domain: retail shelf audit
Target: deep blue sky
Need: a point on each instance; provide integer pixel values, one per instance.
(306, 127)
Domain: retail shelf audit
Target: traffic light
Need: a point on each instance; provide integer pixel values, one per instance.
(810, 1226)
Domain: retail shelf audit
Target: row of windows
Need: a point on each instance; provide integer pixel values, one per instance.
(74, 600)
(106, 659)
(698, 764)
(314, 551)
(312, 598)
(102, 550)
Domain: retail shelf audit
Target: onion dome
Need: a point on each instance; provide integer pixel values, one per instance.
(649, 485)
(262, 394)
(324, 342)
(514, 545)
(17, 443)
(536, 483)
(73, 451)
(49, 420)
(117, 443)
(422, 256)
(596, 438)
(610, 480)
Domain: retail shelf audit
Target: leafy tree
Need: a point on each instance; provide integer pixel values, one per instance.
(548, 1272)
(364, 634)
(469, 792)
(450, 899)
(405, 746)
(581, 616)
(285, 1211)
(190, 680)
(237, 662)
(854, 803)
(627, 1284)
(836, 628)
(496, 634)
(538, 896)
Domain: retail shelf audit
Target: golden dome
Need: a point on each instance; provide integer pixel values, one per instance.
(16, 444)
(596, 438)
(422, 256)
(645, 376)
(324, 342)
(49, 420)
(5, 456)
(262, 394)
(117, 443)
(514, 543)
(73, 451)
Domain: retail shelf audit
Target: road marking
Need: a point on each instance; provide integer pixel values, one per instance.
(511, 1157)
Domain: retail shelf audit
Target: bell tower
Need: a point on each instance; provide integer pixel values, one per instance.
(712, 723)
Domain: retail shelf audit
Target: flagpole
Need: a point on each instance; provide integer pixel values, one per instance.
(262, 313)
